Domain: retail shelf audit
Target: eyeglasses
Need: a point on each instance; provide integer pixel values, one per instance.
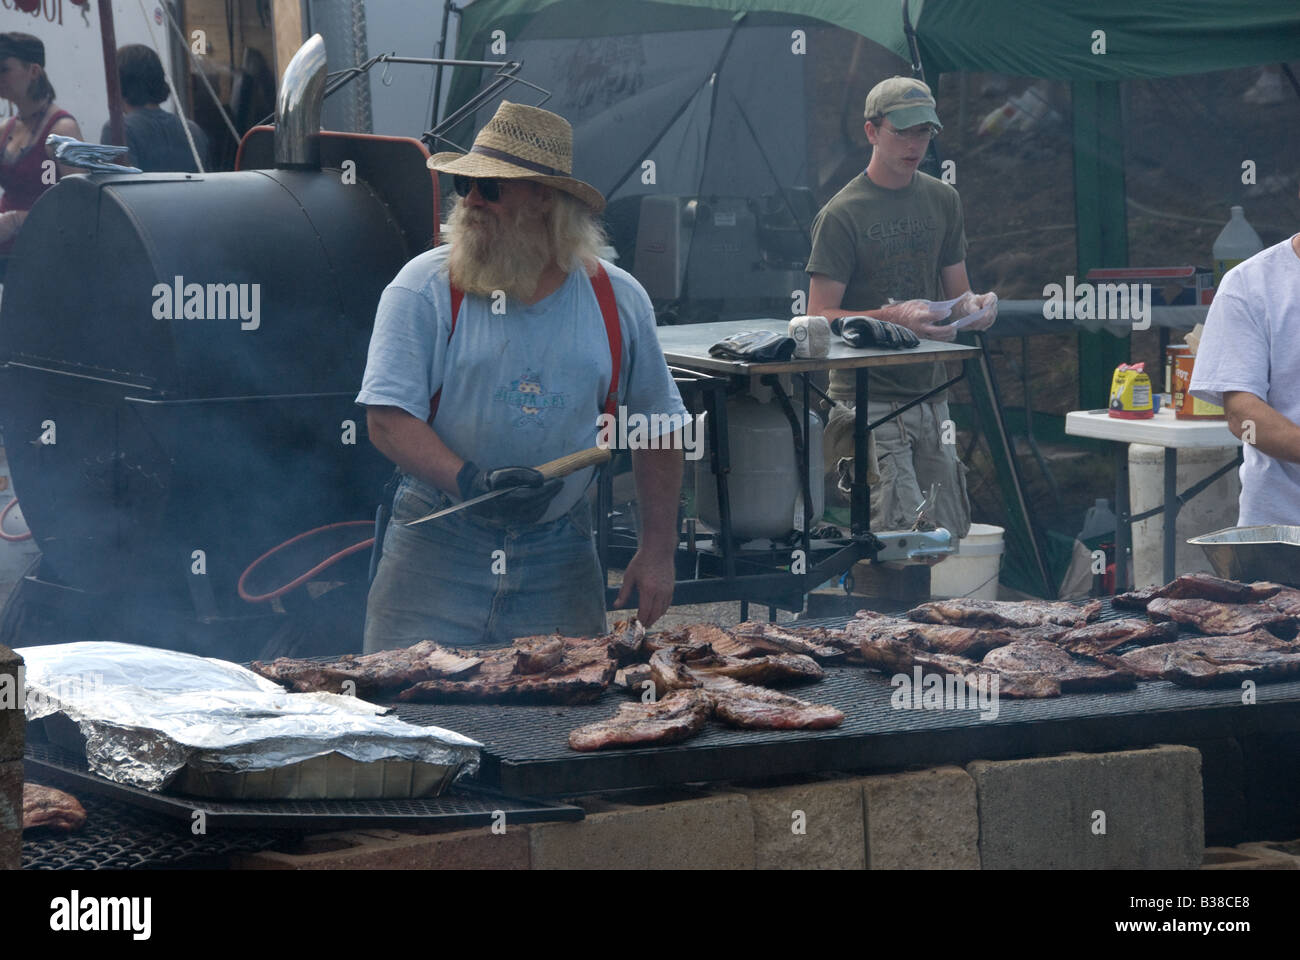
(922, 131)
(488, 188)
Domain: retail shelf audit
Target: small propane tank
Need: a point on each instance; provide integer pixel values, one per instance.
(763, 483)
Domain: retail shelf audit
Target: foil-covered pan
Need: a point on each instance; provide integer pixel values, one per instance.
(163, 720)
(1266, 552)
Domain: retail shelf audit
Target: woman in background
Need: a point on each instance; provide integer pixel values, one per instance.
(23, 174)
(155, 138)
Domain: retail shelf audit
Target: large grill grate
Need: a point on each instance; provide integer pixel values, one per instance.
(526, 747)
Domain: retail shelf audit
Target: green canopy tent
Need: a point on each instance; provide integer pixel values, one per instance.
(1093, 48)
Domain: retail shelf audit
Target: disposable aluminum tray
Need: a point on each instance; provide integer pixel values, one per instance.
(526, 748)
(1268, 552)
(462, 805)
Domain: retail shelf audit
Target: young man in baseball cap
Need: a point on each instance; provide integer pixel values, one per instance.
(892, 238)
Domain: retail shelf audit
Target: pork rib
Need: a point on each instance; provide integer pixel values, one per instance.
(898, 656)
(1214, 661)
(967, 612)
(757, 708)
(1103, 637)
(1050, 660)
(971, 642)
(673, 719)
(372, 673)
(47, 807)
(770, 638)
(1200, 586)
(581, 676)
(1222, 619)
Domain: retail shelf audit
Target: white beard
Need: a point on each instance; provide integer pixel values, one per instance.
(490, 252)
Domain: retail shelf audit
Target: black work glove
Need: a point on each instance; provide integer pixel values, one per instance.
(870, 332)
(530, 495)
(756, 346)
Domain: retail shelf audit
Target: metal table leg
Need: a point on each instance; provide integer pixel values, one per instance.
(1172, 507)
(1123, 530)
(860, 500)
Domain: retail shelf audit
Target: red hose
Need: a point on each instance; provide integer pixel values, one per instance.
(10, 538)
(294, 584)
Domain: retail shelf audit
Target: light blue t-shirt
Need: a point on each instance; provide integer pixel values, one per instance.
(1252, 343)
(521, 387)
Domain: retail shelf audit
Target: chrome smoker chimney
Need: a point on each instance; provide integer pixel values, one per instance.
(297, 108)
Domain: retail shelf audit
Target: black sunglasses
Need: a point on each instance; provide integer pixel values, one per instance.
(488, 188)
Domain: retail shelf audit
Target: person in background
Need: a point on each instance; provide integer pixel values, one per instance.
(890, 240)
(23, 174)
(1248, 363)
(155, 138)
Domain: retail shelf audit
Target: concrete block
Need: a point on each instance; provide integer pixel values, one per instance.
(11, 814)
(923, 820)
(1241, 858)
(474, 849)
(808, 826)
(13, 717)
(1048, 812)
(673, 832)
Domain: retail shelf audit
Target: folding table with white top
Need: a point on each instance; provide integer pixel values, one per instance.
(1162, 430)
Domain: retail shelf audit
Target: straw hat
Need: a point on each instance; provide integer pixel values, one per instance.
(522, 143)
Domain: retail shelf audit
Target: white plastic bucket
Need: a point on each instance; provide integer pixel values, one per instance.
(973, 570)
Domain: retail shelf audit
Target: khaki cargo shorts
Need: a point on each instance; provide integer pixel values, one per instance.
(905, 456)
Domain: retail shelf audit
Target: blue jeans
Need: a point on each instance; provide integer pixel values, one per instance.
(466, 583)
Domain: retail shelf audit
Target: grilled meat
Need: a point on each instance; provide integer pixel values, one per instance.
(1220, 619)
(893, 655)
(633, 677)
(1103, 637)
(935, 637)
(580, 677)
(757, 708)
(1200, 586)
(671, 720)
(538, 654)
(628, 640)
(47, 807)
(965, 612)
(1213, 661)
(372, 673)
(770, 671)
(668, 668)
(1135, 599)
(770, 638)
(1048, 659)
(1286, 600)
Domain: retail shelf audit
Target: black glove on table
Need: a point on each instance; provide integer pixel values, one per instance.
(531, 494)
(756, 346)
(870, 332)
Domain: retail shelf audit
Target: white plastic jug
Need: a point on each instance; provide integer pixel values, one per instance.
(1097, 521)
(1236, 242)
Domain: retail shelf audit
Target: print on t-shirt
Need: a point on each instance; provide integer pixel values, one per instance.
(531, 397)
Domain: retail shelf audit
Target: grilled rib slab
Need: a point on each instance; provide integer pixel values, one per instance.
(673, 719)
(967, 612)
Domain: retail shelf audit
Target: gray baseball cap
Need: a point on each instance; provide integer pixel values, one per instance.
(906, 102)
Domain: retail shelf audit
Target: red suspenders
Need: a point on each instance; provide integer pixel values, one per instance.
(604, 291)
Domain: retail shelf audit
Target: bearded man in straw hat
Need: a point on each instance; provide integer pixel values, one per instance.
(492, 354)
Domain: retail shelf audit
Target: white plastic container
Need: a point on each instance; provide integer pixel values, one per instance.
(1236, 242)
(764, 480)
(973, 570)
(1212, 509)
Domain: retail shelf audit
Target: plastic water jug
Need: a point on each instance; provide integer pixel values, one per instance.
(1097, 521)
(1236, 242)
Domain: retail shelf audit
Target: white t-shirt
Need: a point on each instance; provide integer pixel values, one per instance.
(1252, 343)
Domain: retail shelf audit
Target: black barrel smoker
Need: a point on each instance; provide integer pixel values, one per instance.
(160, 444)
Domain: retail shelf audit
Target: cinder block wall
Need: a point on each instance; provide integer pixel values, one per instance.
(12, 719)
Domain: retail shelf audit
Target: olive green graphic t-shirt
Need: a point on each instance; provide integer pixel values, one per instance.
(889, 244)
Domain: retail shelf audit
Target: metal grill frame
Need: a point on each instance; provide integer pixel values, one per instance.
(462, 805)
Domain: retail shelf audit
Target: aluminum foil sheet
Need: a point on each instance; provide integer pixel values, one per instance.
(147, 713)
